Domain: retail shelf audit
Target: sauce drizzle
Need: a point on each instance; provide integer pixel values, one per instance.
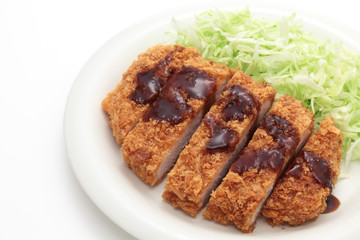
(332, 204)
(172, 106)
(283, 133)
(222, 138)
(295, 170)
(239, 104)
(318, 166)
(150, 82)
(321, 172)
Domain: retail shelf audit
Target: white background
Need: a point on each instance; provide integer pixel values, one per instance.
(43, 45)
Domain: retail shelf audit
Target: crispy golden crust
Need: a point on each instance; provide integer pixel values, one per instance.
(123, 113)
(148, 144)
(297, 200)
(327, 143)
(196, 168)
(238, 197)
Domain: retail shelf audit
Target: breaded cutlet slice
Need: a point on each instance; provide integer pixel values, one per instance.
(152, 147)
(141, 84)
(220, 137)
(240, 197)
(301, 193)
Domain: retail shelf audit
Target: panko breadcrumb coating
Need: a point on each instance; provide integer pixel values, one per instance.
(198, 171)
(299, 196)
(239, 198)
(153, 146)
(124, 113)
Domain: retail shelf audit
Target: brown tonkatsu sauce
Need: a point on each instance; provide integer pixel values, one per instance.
(318, 166)
(321, 172)
(295, 169)
(283, 133)
(172, 106)
(258, 159)
(239, 104)
(171, 110)
(192, 82)
(150, 82)
(332, 204)
(222, 138)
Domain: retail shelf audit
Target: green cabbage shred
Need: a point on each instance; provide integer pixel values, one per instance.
(321, 73)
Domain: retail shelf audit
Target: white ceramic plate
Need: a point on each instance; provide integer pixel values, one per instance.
(138, 208)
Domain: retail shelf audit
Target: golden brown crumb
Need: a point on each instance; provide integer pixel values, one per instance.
(149, 143)
(123, 113)
(297, 200)
(240, 196)
(196, 168)
(327, 143)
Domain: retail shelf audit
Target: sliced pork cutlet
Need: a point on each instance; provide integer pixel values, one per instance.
(141, 85)
(302, 192)
(153, 146)
(221, 136)
(240, 197)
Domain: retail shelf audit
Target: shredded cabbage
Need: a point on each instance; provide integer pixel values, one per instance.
(320, 73)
